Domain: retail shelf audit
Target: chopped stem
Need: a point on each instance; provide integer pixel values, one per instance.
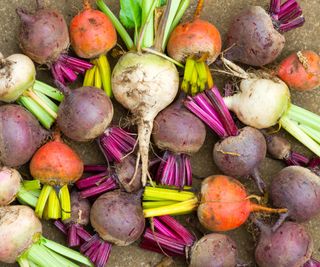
(41, 103)
(312, 263)
(106, 186)
(64, 251)
(45, 119)
(297, 159)
(63, 261)
(97, 77)
(65, 202)
(54, 209)
(304, 117)
(156, 193)
(105, 74)
(73, 238)
(156, 204)
(293, 128)
(95, 168)
(48, 101)
(23, 261)
(31, 185)
(43, 198)
(27, 198)
(92, 180)
(89, 76)
(48, 90)
(60, 225)
(40, 256)
(117, 24)
(315, 135)
(183, 207)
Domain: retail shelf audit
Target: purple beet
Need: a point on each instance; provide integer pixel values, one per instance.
(280, 148)
(214, 250)
(240, 152)
(255, 35)
(180, 134)
(21, 135)
(118, 217)
(289, 246)
(297, 189)
(44, 37)
(85, 113)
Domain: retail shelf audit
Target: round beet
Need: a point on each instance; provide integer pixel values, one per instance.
(297, 189)
(289, 246)
(127, 175)
(20, 135)
(278, 147)
(80, 210)
(118, 217)
(214, 250)
(9, 185)
(85, 113)
(43, 34)
(178, 130)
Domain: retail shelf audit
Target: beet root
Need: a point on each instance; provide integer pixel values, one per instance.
(297, 189)
(19, 229)
(80, 210)
(21, 135)
(241, 155)
(85, 114)
(118, 217)
(176, 129)
(289, 246)
(255, 40)
(9, 185)
(43, 34)
(214, 250)
(128, 177)
(278, 147)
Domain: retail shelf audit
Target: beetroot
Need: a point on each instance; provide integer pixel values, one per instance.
(80, 210)
(118, 218)
(10, 180)
(289, 246)
(297, 189)
(21, 134)
(214, 250)
(85, 113)
(255, 36)
(180, 134)
(44, 37)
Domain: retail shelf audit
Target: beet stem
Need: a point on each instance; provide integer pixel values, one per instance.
(60, 225)
(106, 186)
(82, 233)
(73, 238)
(104, 253)
(174, 169)
(314, 163)
(275, 7)
(92, 180)
(222, 110)
(95, 168)
(292, 24)
(296, 159)
(312, 263)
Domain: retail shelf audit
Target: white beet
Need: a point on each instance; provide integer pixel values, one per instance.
(145, 84)
(9, 185)
(260, 102)
(19, 229)
(17, 74)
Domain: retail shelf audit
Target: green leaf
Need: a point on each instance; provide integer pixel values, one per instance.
(130, 13)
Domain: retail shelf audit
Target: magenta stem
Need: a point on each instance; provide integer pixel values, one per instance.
(60, 225)
(314, 163)
(169, 237)
(108, 185)
(97, 179)
(287, 16)
(95, 168)
(296, 159)
(175, 170)
(201, 107)
(73, 238)
(82, 233)
(115, 143)
(66, 68)
(312, 263)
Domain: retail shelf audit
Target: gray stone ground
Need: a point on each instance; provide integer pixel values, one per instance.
(219, 13)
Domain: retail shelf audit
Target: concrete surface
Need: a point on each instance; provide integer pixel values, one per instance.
(219, 13)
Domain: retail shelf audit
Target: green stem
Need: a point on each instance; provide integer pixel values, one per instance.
(48, 90)
(65, 202)
(63, 261)
(293, 128)
(154, 193)
(117, 24)
(152, 51)
(40, 256)
(64, 251)
(155, 204)
(172, 14)
(32, 264)
(182, 8)
(54, 208)
(26, 197)
(315, 135)
(23, 261)
(54, 108)
(45, 119)
(182, 207)
(304, 117)
(31, 185)
(43, 198)
(147, 6)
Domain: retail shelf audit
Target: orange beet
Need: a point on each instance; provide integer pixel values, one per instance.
(195, 38)
(301, 71)
(225, 205)
(92, 33)
(55, 163)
